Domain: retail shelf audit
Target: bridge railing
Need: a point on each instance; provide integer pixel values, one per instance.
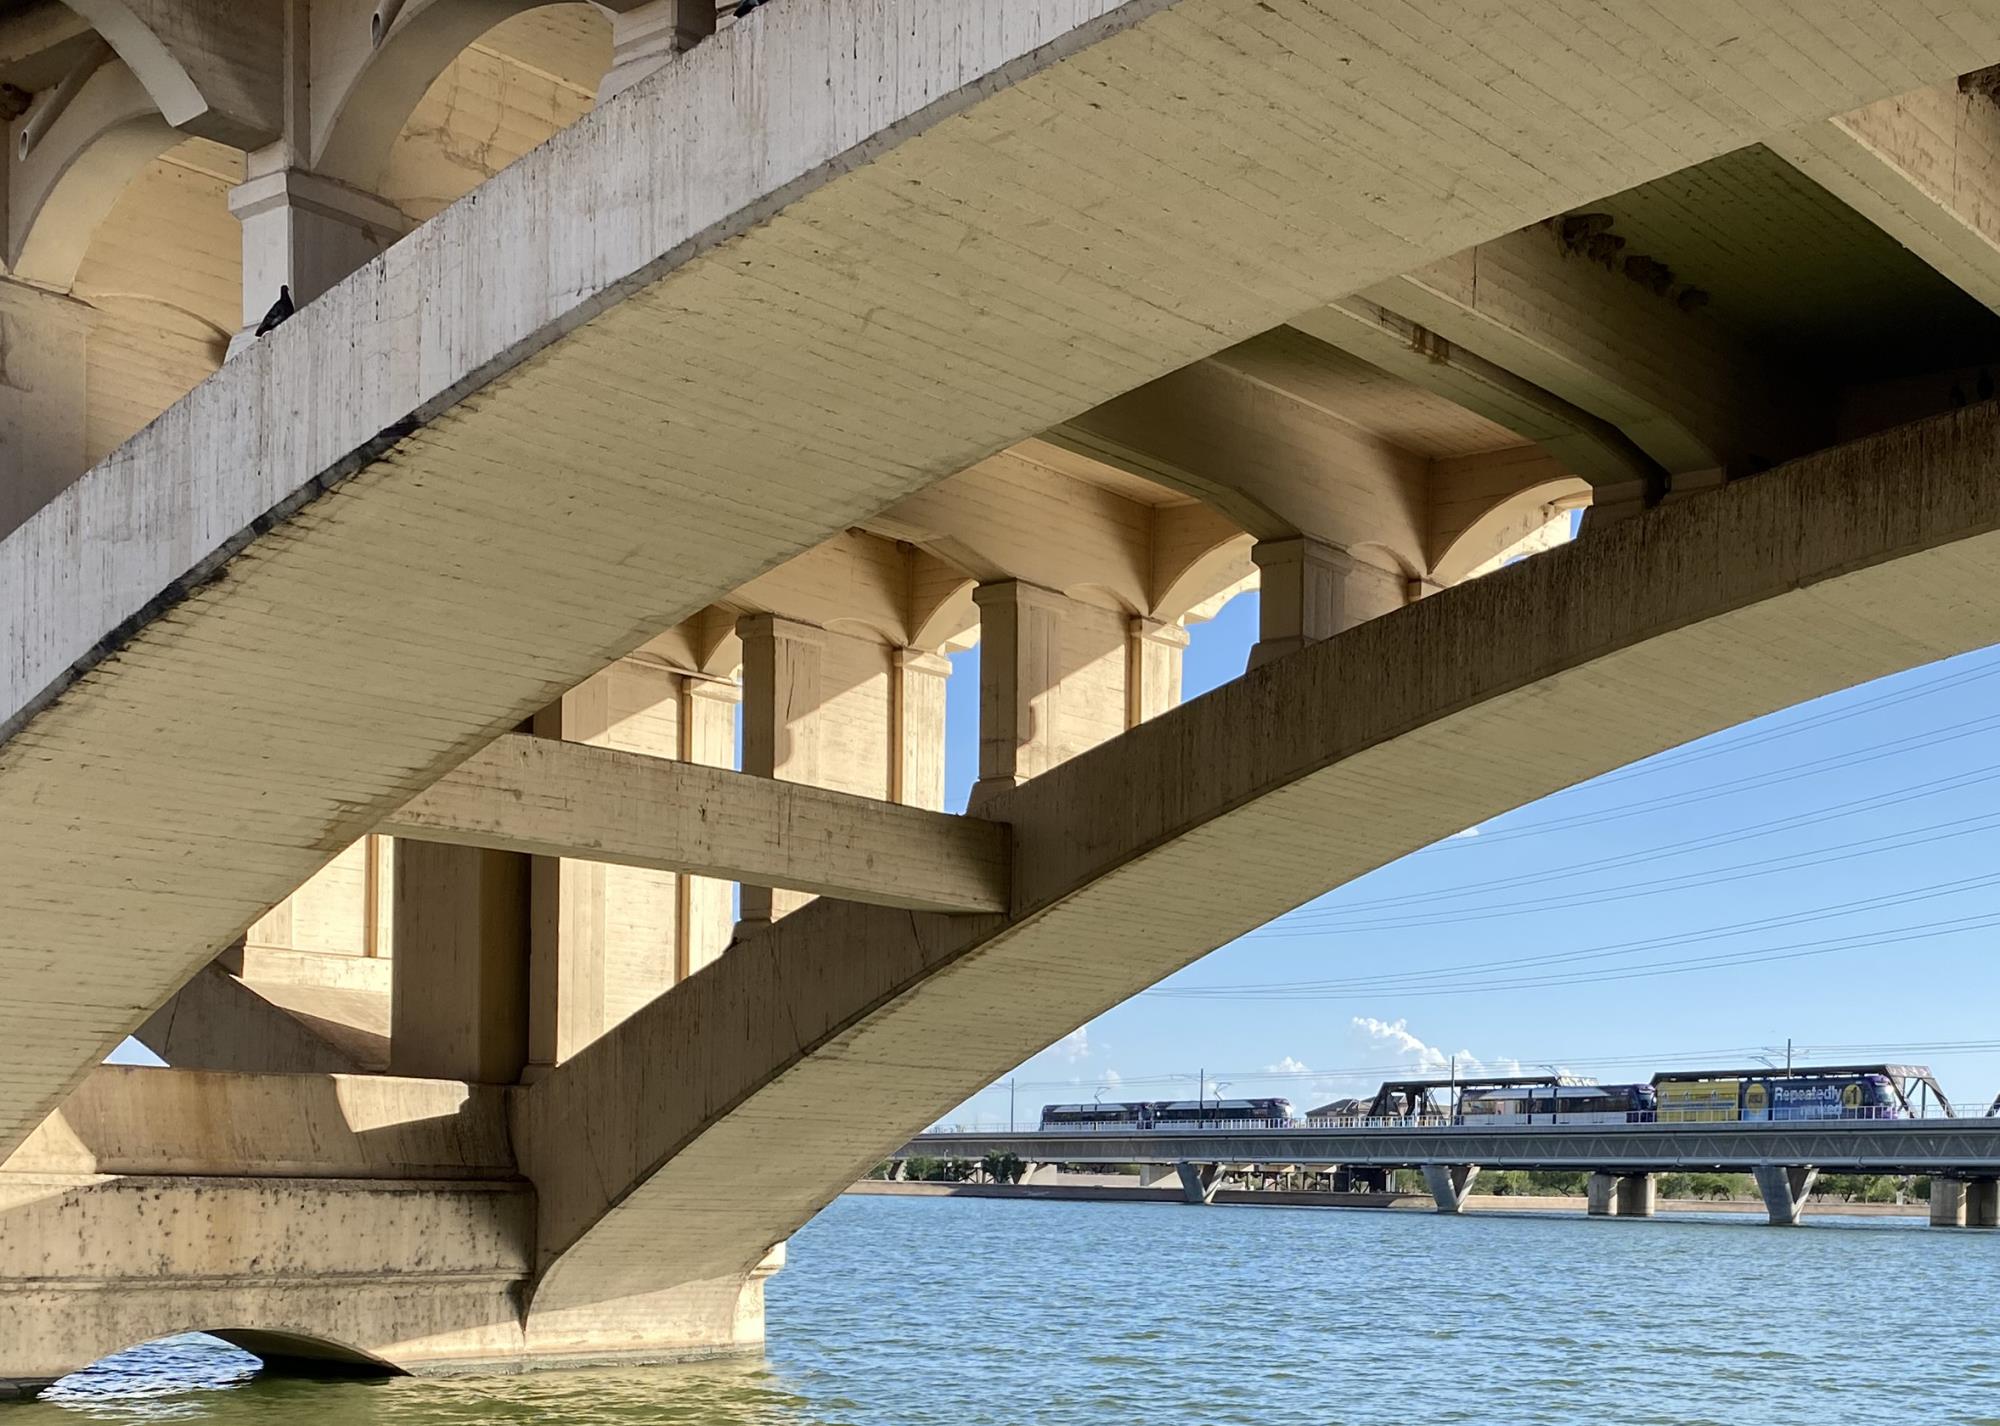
(1404, 1122)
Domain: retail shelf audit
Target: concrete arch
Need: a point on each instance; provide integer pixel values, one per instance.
(114, 1323)
(191, 60)
(1503, 525)
(948, 618)
(1221, 566)
(70, 182)
(845, 1027)
(369, 89)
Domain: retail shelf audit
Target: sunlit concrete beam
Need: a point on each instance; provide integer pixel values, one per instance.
(563, 799)
(1924, 168)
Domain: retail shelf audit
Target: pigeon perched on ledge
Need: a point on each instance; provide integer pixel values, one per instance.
(281, 312)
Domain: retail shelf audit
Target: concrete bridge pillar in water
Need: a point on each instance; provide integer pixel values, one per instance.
(1199, 1181)
(1449, 1184)
(1629, 1195)
(1785, 1188)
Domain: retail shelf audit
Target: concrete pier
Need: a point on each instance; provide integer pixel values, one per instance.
(1982, 1203)
(1630, 1195)
(1199, 1181)
(1785, 1188)
(1947, 1202)
(1449, 1184)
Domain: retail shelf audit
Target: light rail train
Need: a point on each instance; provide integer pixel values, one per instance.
(1164, 1114)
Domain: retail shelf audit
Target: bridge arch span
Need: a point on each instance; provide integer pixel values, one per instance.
(716, 1121)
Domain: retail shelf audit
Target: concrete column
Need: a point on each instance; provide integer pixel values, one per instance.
(1311, 590)
(1449, 1184)
(1020, 685)
(1153, 669)
(43, 378)
(1199, 1181)
(1158, 1175)
(917, 728)
(1636, 1195)
(459, 1008)
(1947, 1202)
(648, 38)
(1601, 1195)
(1982, 1203)
(305, 231)
(708, 737)
(566, 938)
(781, 700)
(1785, 1189)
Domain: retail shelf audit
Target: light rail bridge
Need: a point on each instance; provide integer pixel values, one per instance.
(1961, 1156)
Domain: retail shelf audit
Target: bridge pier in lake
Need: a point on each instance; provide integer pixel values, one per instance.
(1621, 1195)
(1450, 1184)
(1785, 1188)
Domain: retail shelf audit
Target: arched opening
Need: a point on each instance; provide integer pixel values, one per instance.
(1535, 518)
(218, 1359)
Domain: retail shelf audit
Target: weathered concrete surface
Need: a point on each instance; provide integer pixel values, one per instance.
(822, 261)
(369, 1220)
(221, 1021)
(151, 1121)
(678, 1139)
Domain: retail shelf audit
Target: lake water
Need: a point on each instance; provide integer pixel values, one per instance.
(913, 1311)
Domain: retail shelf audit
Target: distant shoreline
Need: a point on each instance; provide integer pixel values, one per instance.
(1111, 1188)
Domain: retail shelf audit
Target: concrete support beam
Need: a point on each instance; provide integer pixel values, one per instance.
(781, 730)
(707, 904)
(1199, 1181)
(526, 794)
(304, 231)
(215, 68)
(1982, 1203)
(916, 734)
(1665, 374)
(1449, 1184)
(42, 390)
(1947, 1202)
(1153, 669)
(219, 1021)
(1600, 1195)
(567, 912)
(1582, 443)
(459, 1009)
(1785, 1188)
(1925, 169)
(1021, 670)
(1310, 590)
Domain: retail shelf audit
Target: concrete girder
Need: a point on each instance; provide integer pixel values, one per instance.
(215, 68)
(1275, 464)
(1924, 167)
(482, 453)
(1669, 379)
(75, 174)
(842, 1027)
(555, 798)
(218, 1021)
(1583, 444)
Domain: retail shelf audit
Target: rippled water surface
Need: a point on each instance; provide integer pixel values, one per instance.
(910, 1311)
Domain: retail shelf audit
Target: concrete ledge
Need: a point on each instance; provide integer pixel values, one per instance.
(161, 1121)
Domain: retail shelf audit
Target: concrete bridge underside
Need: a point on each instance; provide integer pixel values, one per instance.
(474, 473)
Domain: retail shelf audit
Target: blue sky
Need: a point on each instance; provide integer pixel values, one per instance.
(1829, 874)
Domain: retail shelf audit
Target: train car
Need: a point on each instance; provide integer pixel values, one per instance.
(1803, 1097)
(1147, 1114)
(1700, 1101)
(1560, 1104)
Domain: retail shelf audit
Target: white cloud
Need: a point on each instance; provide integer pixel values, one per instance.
(1471, 831)
(1287, 1065)
(1112, 1078)
(1075, 1045)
